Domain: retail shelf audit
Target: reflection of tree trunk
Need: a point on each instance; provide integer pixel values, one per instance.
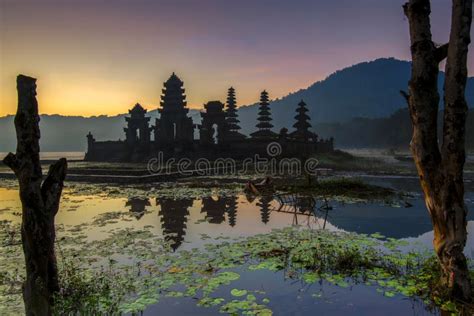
(40, 202)
(441, 171)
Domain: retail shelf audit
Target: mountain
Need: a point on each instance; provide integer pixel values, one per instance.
(367, 90)
(68, 133)
(394, 131)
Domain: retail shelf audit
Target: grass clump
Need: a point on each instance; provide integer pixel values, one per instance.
(341, 187)
(341, 160)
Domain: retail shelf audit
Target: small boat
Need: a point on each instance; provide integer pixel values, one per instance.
(263, 187)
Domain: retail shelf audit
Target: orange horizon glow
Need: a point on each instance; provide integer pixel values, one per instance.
(100, 97)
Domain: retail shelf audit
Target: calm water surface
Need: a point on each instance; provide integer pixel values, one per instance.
(185, 222)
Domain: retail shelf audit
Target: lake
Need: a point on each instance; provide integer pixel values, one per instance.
(191, 223)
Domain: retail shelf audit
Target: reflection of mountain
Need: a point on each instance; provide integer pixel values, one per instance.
(173, 219)
(214, 209)
(264, 204)
(138, 206)
(426, 239)
(232, 210)
(389, 221)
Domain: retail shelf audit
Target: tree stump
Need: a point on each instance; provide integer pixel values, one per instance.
(40, 202)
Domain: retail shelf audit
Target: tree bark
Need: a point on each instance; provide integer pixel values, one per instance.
(441, 171)
(40, 203)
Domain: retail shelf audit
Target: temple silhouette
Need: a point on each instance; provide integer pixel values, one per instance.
(219, 136)
(138, 206)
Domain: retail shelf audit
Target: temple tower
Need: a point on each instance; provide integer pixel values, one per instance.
(264, 119)
(302, 124)
(174, 125)
(231, 112)
(138, 129)
(232, 121)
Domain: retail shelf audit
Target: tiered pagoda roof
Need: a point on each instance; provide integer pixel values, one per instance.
(173, 98)
(302, 124)
(137, 109)
(231, 112)
(302, 119)
(264, 118)
(137, 112)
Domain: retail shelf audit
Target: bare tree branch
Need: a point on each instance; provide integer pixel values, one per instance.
(406, 96)
(441, 52)
(12, 162)
(53, 185)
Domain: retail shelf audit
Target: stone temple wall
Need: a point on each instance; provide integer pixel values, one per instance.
(120, 151)
(218, 132)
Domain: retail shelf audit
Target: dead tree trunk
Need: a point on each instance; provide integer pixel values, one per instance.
(441, 170)
(40, 203)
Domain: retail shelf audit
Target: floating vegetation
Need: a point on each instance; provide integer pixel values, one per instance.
(163, 190)
(342, 189)
(130, 270)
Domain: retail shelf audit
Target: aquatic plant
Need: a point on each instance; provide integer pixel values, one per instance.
(133, 269)
(344, 189)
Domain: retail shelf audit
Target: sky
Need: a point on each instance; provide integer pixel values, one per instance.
(101, 57)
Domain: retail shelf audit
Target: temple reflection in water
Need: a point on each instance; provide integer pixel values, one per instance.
(174, 216)
(220, 214)
(214, 209)
(231, 206)
(174, 213)
(138, 206)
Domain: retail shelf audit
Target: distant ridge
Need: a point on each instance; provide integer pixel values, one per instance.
(368, 90)
(365, 90)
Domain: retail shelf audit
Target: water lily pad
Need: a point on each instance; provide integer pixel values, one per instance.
(237, 292)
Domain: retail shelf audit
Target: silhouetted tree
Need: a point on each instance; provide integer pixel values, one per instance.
(40, 203)
(441, 169)
(231, 112)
